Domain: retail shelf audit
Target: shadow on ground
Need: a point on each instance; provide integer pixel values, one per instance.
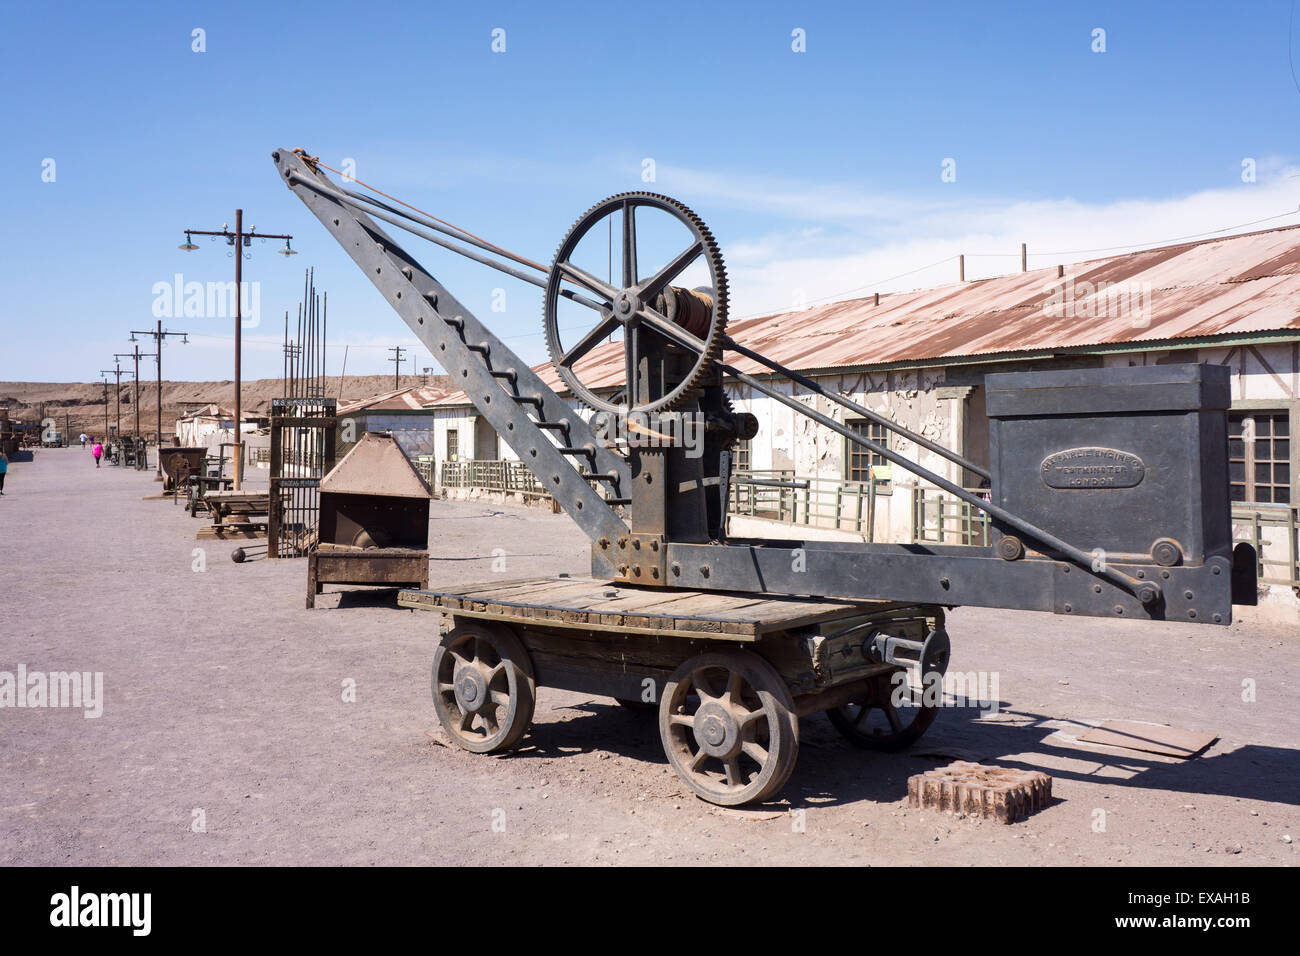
(831, 771)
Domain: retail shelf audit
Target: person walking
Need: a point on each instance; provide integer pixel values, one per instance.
(84, 439)
(4, 467)
(97, 451)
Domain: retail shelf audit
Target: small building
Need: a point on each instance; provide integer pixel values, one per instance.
(404, 413)
(204, 426)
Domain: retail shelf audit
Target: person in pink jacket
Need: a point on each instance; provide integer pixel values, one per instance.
(98, 452)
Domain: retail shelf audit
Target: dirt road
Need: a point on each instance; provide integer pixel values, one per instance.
(223, 704)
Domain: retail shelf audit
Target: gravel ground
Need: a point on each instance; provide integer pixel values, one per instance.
(223, 704)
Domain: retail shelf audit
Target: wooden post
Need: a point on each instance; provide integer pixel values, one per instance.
(1024, 257)
(961, 268)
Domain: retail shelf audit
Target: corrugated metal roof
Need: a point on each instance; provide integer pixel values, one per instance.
(411, 398)
(1216, 287)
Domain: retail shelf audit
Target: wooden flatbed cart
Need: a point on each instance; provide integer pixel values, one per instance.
(730, 675)
(236, 514)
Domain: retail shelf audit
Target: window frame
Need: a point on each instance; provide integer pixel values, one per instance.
(1249, 408)
(884, 486)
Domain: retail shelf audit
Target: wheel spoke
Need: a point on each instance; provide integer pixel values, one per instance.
(602, 330)
(671, 330)
(734, 777)
(629, 244)
(631, 359)
(500, 698)
(734, 684)
(682, 720)
(894, 720)
(466, 721)
(698, 761)
(490, 720)
(751, 717)
(498, 670)
(588, 282)
(656, 283)
(446, 688)
(755, 752)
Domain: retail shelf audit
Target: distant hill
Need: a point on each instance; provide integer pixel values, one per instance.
(83, 402)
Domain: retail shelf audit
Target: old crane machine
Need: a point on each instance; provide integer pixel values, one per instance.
(1109, 497)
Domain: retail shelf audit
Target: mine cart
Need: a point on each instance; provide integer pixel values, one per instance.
(374, 521)
(1107, 496)
(178, 464)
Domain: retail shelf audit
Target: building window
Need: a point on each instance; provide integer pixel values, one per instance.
(1259, 456)
(453, 444)
(743, 456)
(860, 460)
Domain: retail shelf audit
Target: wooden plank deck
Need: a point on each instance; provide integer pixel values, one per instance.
(603, 606)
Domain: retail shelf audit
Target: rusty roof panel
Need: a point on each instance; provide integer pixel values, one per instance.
(408, 399)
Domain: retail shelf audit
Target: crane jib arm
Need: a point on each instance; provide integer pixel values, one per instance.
(471, 354)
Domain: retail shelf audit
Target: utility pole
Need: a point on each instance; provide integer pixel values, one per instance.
(104, 377)
(158, 336)
(117, 394)
(137, 355)
(240, 240)
(397, 365)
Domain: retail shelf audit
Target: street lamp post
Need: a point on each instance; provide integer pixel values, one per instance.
(239, 239)
(158, 336)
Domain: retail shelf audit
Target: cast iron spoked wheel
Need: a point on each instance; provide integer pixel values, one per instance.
(878, 724)
(893, 716)
(483, 687)
(728, 726)
(644, 309)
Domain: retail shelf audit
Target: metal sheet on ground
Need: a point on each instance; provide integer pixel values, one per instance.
(1149, 738)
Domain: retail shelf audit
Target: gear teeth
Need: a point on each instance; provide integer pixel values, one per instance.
(713, 343)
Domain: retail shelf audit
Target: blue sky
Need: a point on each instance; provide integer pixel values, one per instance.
(818, 171)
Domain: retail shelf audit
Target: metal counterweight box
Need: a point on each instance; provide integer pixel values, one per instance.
(1132, 460)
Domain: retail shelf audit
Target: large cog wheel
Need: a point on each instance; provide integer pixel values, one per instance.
(650, 312)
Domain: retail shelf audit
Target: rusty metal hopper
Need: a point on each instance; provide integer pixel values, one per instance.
(374, 520)
(178, 464)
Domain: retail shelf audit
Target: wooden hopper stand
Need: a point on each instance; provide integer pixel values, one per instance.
(374, 521)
